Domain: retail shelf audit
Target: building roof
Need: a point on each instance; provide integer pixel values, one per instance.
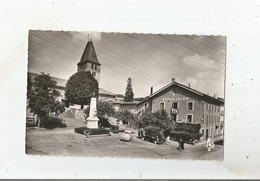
(174, 83)
(125, 103)
(103, 91)
(89, 54)
(61, 83)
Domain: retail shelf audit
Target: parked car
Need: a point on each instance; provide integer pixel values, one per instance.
(152, 134)
(127, 135)
(154, 139)
(31, 121)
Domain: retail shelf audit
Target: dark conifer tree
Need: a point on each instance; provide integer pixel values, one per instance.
(129, 95)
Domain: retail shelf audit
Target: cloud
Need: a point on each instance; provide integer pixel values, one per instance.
(207, 82)
(190, 80)
(45, 60)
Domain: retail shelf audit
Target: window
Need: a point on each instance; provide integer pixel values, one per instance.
(92, 66)
(189, 118)
(208, 107)
(190, 106)
(94, 74)
(175, 105)
(202, 120)
(162, 105)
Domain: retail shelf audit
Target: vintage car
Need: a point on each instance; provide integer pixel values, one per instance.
(127, 135)
(154, 139)
(152, 134)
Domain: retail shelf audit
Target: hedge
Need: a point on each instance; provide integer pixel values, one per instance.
(80, 130)
(53, 122)
(91, 131)
(152, 131)
(188, 127)
(186, 136)
(97, 131)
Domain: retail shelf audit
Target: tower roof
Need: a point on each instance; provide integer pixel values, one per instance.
(89, 54)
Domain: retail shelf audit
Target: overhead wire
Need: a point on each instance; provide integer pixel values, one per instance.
(174, 54)
(215, 40)
(191, 49)
(143, 82)
(118, 60)
(128, 60)
(204, 44)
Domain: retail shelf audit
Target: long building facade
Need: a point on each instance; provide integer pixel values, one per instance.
(185, 104)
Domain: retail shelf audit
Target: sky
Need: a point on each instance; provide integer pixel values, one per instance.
(150, 60)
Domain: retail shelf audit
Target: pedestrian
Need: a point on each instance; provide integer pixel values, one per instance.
(210, 144)
(180, 145)
(168, 140)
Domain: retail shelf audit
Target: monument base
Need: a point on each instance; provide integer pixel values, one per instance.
(92, 123)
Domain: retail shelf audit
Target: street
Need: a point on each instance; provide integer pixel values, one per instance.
(64, 142)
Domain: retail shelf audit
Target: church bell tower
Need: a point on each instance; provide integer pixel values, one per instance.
(89, 61)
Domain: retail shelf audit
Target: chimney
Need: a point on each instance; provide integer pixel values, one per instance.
(173, 79)
(189, 85)
(151, 90)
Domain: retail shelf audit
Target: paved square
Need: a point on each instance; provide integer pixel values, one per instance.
(64, 142)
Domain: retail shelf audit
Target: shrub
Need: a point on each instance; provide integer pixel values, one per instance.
(188, 127)
(103, 109)
(103, 122)
(53, 122)
(186, 136)
(151, 130)
(91, 131)
(80, 130)
(127, 117)
(96, 131)
(159, 119)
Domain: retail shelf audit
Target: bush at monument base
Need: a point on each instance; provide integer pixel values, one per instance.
(80, 130)
(92, 131)
(97, 131)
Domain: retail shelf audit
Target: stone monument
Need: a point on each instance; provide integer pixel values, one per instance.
(92, 120)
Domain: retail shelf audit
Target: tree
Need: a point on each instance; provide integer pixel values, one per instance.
(129, 95)
(103, 109)
(81, 87)
(42, 96)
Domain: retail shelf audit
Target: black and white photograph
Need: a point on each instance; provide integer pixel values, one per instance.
(123, 95)
(96, 89)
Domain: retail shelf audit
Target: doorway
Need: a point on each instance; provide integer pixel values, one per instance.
(207, 133)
